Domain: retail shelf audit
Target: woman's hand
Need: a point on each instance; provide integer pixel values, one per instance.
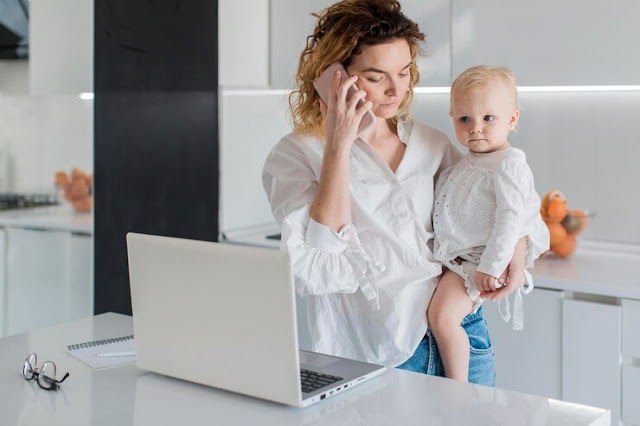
(513, 276)
(342, 117)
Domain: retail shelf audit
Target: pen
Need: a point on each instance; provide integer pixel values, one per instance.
(114, 354)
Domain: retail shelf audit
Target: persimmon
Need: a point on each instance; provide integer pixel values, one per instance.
(565, 247)
(76, 188)
(557, 233)
(557, 209)
(549, 196)
(61, 178)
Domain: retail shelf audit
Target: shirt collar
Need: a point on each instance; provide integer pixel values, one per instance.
(404, 130)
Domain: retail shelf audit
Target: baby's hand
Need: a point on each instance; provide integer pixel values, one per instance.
(485, 283)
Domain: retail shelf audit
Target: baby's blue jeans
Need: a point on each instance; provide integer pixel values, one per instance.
(426, 359)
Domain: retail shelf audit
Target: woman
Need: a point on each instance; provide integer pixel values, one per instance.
(355, 210)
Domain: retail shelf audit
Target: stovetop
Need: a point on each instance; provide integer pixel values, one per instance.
(21, 201)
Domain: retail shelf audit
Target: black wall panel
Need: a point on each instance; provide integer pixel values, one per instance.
(155, 131)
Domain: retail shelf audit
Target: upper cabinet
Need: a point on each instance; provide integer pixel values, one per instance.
(548, 42)
(243, 45)
(61, 47)
(261, 49)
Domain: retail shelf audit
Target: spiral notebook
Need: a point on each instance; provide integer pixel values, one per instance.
(87, 352)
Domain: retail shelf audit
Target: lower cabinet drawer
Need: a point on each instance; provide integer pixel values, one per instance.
(630, 392)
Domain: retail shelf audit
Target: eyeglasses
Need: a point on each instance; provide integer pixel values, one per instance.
(46, 377)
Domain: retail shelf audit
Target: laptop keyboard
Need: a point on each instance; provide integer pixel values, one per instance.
(312, 380)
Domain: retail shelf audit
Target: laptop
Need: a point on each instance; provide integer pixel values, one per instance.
(224, 316)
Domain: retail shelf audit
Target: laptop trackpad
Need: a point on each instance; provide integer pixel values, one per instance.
(316, 360)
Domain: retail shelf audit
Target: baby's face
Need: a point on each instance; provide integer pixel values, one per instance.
(483, 119)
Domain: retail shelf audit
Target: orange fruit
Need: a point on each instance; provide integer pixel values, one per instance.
(557, 209)
(566, 247)
(557, 233)
(61, 178)
(77, 173)
(549, 196)
(82, 204)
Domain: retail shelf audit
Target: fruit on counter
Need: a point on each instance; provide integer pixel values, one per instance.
(565, 247)
(549, 195)
(557, 232)
(76, 188)
(557, 209)
(61, 178)
(563, 224)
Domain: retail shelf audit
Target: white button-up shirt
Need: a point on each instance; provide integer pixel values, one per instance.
(367, 288)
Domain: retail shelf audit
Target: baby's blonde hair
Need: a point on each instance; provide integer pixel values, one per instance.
(476, 79)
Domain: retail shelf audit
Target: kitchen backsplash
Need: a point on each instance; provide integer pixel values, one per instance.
(582, 143)
(42, 134)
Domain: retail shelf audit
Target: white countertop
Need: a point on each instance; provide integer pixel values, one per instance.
(253, 235)
(54, 218)
(130, 396)
(597, 268)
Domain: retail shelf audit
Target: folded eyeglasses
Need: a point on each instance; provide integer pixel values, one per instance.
(46, 376)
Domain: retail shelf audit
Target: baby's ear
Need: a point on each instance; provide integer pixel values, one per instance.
(514, 119)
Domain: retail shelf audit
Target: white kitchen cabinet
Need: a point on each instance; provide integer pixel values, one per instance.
(243, 31)
(3, 280)
(60, 47)
(591, 362)
(49, 278)
(529, 360)
(291, 22)
(630, 394)
(548, 42)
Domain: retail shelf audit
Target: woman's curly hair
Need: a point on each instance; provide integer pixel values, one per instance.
(342, 31)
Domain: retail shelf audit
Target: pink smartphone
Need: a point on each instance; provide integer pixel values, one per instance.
(323, 84)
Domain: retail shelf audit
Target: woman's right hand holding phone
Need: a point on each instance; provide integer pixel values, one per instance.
(341, 116)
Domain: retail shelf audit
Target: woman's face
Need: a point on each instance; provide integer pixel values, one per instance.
(383, 72)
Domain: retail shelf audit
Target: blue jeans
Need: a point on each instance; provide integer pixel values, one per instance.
(426, 359)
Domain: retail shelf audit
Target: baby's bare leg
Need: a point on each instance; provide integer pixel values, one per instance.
(448, 307)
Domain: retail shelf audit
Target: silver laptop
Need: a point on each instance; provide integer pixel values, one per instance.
(224, 316)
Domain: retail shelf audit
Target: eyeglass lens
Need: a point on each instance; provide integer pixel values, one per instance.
(47, 375)
(28, 370)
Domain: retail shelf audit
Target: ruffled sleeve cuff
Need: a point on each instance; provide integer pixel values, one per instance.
(324, 238)
(537, 242)
(324, 261)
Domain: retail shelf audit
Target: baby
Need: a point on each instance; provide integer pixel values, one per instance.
(484, 204)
